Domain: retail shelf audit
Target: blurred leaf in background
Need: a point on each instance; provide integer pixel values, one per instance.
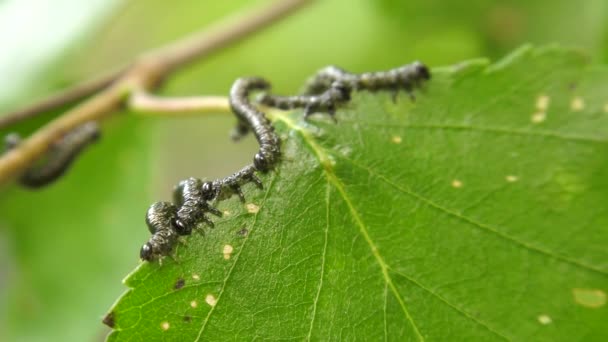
(68, 246)
(500, 26)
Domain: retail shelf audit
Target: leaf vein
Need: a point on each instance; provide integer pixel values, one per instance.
(481, 226)
(487, 129)
(323, 261)
(236, 260)
(454, 307)
(332, 179)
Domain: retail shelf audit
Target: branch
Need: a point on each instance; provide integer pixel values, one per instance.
(59, 99)
(145, 103)
(146, 74)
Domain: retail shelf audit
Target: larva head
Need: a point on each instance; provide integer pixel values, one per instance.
(340, 91)
(147, 252)
(422, 71)
(261, 163)
(181, 228)
(208, 191)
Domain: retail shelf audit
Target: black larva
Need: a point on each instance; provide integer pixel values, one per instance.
(168, 221)
(251, 118)
(188, 196)
(60, 156)
(220, 189)
(407, 77)
(159, 219)
(326, 102)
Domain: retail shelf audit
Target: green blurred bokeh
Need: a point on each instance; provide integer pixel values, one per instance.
(64, 250)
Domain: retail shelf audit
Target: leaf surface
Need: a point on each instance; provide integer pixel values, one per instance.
(476, 212)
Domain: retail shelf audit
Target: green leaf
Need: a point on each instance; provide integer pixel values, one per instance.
(474, 213)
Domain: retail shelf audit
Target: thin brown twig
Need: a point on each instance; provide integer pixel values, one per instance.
(147, 73)
(64, 97)
(149, 104)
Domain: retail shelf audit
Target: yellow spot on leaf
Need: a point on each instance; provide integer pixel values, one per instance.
(196, 276)
(165, 326)
(252, 208)
(544, 319)
(577, 104)
(606, 108)
(226, 212)
(396, 139)
(512, 178)
(211, 300)
(228, 249)
(457, 183)
(542, 103)
(590, 298)
(194, 304)
(538, 117)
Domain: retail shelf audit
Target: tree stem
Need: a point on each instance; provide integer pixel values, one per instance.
(144, 75)
(149, 104)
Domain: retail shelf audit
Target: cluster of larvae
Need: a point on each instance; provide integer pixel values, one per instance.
(195, 199)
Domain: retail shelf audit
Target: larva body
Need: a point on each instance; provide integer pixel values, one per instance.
(159, 219)
(221, 189)
(326, 102)
(192, 206)
(406, 77)
(252, 118)
(60, 156)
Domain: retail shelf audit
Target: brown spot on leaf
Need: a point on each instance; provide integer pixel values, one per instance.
(187, 318)
(243, 232)
(179, 284)
(110, 319)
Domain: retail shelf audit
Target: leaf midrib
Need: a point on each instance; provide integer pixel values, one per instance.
(332, 179)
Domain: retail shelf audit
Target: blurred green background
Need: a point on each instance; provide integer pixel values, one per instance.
(65, 249)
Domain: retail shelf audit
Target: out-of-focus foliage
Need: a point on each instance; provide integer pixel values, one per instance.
(500, 26)
(66, 247)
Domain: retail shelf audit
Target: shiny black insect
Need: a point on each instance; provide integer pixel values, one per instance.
(327, 90)
(251, 118)
(60, 156)
(193, 206)
(407, 77)
(168, 221)
(220, 189)
(332, 87)
(326, 102)
(160, 218)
